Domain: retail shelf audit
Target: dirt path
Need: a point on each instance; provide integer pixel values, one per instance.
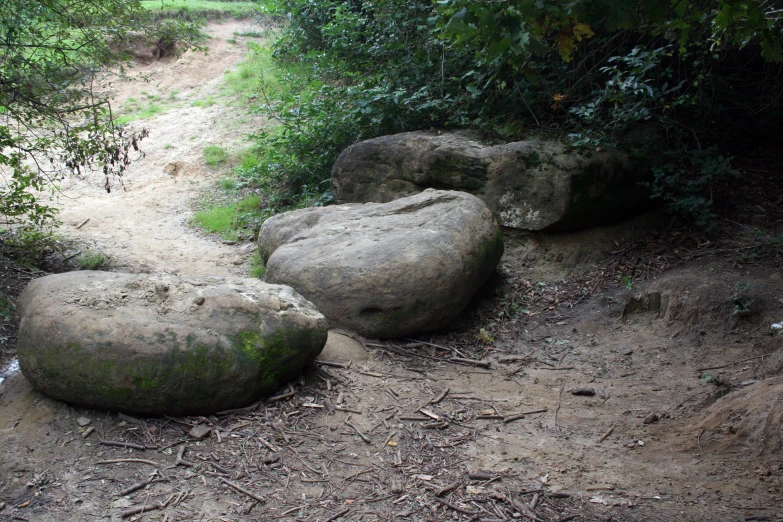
(145, 227)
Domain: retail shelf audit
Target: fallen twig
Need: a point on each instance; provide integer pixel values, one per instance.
(456, 508)
(337, 515)
(440, 397)
(517, 416)
(140, 461)
(362, 435)
(242, 490)
(142, 509)
(180, 460)
(286, 395)
(605, 435)
(122, 444)
(472, 362)
(331, 363)
(445, 489)
(732, 364)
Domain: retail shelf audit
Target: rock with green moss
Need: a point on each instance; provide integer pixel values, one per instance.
(386, 270)
(163, 344)
(528, 185)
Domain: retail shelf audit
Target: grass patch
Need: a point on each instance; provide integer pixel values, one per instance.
(256, 69)
(7, 307)
(228, 184)
(234, 221)
(209, 102)
(91, 261)
(217, 220)
(260, 33)
(204, 8)
(215, 156)
(135, 109)
(257, 267)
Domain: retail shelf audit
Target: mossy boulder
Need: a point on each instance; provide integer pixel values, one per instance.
(162, 344)
(386, 270)
(528, 185)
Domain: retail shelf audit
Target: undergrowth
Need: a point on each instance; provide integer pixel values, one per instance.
(204, 9)
(231, 221)
(593, 75)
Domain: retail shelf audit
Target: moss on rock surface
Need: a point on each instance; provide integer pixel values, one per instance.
(167, 355)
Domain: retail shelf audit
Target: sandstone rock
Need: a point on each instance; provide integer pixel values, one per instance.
(140, 343)
(386, 270)
(530, 185)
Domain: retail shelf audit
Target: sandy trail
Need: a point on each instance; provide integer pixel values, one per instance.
(145, 227)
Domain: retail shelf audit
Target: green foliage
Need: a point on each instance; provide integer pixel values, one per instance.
(193, 9)
(91, 261)
(683, 182)
(7, 307)
(208, 102)
(742, 302)
(214, 155)
(257, 267)
(232, 221)
(51, 55)
(140, 110)
(30, 244)
(256, 71)
(228, 184)
(594, 71)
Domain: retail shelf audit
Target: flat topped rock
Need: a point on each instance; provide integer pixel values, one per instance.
(160, 344)
(528, 185)
(386, 270)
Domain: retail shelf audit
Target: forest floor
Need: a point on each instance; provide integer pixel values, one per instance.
(628, 373)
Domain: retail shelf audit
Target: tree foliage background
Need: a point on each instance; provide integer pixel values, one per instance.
(53, 117)
(695, 74)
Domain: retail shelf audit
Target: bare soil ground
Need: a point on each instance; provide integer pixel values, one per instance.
(655, 398)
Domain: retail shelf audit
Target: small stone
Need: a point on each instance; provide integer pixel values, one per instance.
(238, 261)
(589, 392)
(83, 421)
(199, 432)
(627, 350)
(653, 417)
(198, 300)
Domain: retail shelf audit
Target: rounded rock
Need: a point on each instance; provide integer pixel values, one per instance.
(136, 343)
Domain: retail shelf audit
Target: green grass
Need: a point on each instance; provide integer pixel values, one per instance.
(217, 220)
(257, 267)
(209, 102)
(256, 69)
(229, 221)
(7, 307)
(204, 8)
(251, 33)
(135, 109)
(91, 261)
(215, 156)
(227, 184)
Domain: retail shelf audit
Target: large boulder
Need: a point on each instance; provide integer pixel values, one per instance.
(386, 270)
(529, 185)
(161, 344)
